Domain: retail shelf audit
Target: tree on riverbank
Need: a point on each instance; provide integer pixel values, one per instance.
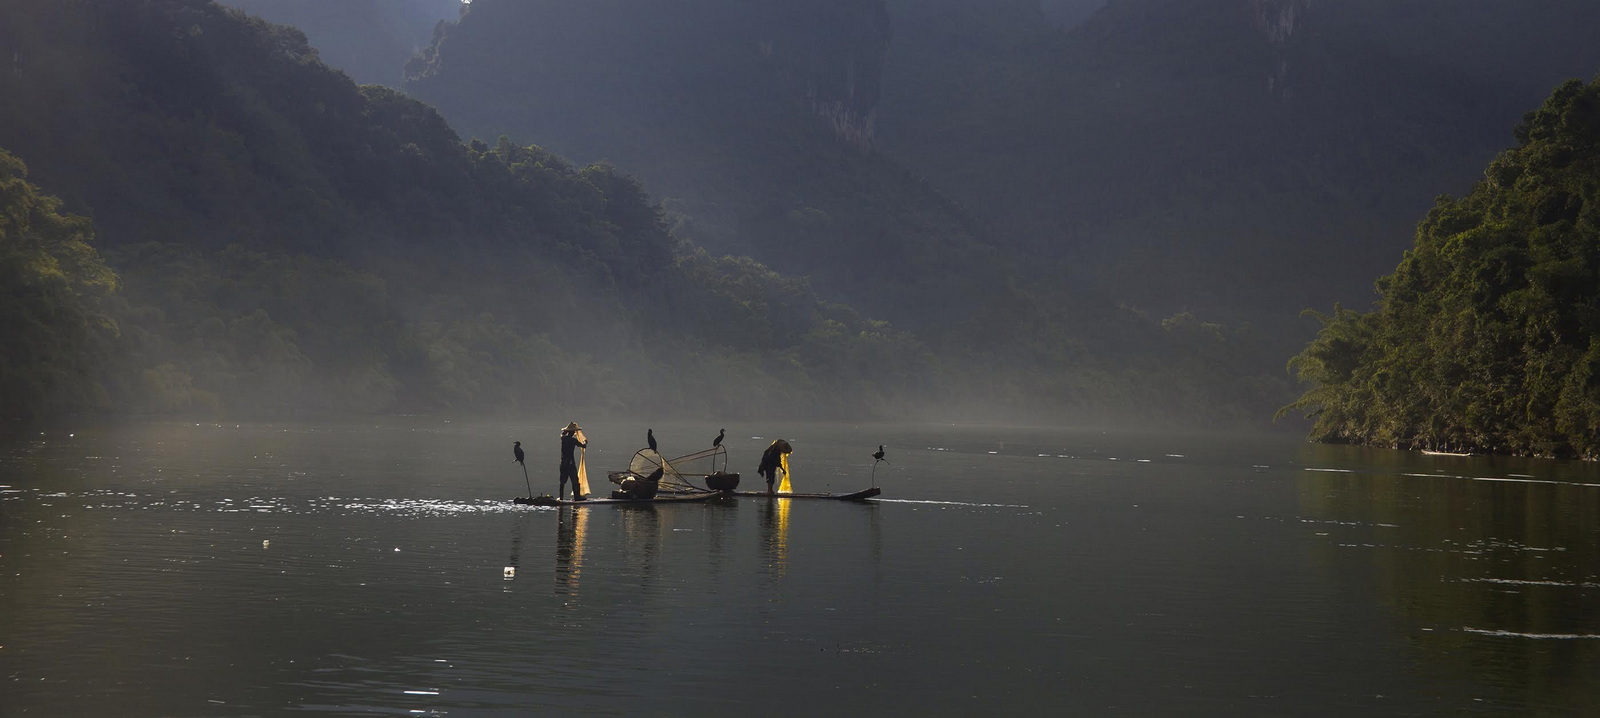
(1487, 335)
(54, 328)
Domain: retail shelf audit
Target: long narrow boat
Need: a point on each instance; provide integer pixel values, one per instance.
(861, 495)
(606, 501)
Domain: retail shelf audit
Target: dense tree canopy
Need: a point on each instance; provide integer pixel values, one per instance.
(1488, 333)
(53, 291)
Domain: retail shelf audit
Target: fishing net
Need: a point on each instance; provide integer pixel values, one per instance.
(683, 473)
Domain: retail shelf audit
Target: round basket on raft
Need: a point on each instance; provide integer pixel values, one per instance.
(722, 481)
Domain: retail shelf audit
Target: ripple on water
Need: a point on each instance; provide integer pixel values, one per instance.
(274, 505)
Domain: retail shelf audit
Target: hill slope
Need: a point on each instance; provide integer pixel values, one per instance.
(371, 40)
(753, 120)
(290, 242)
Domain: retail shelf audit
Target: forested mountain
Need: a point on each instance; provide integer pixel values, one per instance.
(1172, 154)
(754, 120)
(371, 40)
(1487, 336)
(288, 242)
(1238, 156)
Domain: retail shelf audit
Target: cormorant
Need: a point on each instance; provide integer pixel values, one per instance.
(516, 449)
(718, 441)
(650, 437)
(879, 455)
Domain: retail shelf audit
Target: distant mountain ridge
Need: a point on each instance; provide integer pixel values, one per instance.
(754, 120)
(371, 40)
(1217, 146)
(1207, 153)
(289, 242)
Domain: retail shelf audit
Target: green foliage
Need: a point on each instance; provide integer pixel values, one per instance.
(53, 288)
(1489, 329)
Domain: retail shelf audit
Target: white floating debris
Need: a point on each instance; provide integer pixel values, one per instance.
(422, 693)
(265, 543)
(397, 549)
(511, 572)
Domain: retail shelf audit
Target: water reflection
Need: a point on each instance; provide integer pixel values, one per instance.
(719, 525)
(775, 530)
(1496, 578)
(641, 531)
(571, 525)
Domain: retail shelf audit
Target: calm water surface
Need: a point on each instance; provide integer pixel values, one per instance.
(252, 570)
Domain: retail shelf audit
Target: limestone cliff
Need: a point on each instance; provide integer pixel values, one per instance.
(753, 121)
(833, 52)
(825, 56)
(1278, 21)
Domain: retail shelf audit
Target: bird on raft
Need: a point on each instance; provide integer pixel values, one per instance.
(718, 441)
(879, 455)
(650, 438)
(516, 450)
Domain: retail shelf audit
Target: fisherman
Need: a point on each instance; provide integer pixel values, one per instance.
(774, 460)
(572, 438)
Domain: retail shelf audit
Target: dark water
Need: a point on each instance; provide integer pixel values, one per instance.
(209, 570)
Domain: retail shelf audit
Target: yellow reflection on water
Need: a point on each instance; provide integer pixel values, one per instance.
(776, 522)
(571, 526)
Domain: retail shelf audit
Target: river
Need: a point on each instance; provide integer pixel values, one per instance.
(181, 569)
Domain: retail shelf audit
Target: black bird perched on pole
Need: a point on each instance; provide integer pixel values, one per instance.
(516, 450)
(718, 441)
(650, 437)
(879, 455)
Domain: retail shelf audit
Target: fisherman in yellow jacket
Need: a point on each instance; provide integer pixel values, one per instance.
(572, 443)
(775, 460)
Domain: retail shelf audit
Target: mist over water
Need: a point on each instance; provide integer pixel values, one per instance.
(378, 567)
